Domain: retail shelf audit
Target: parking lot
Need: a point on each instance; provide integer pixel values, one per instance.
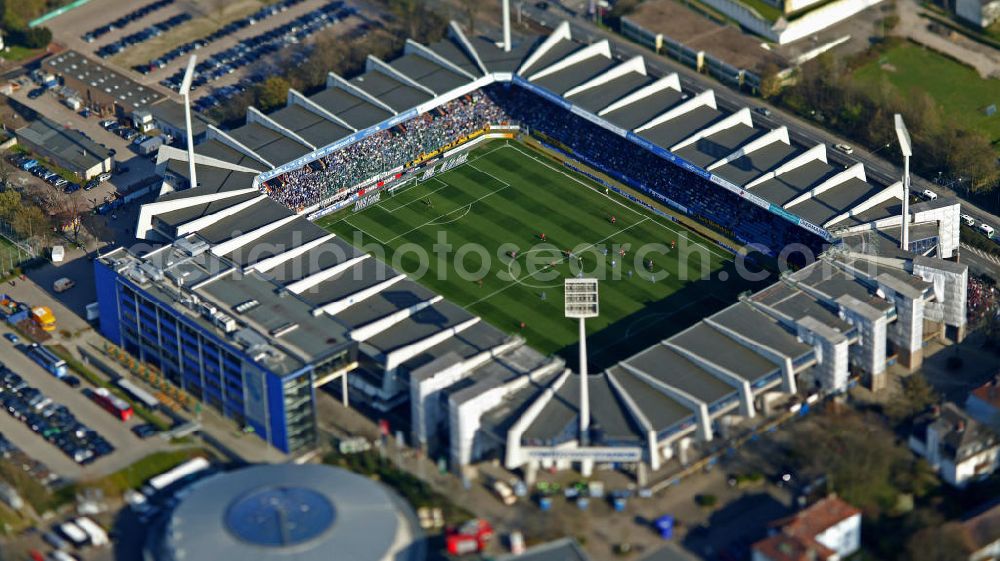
(128, 448)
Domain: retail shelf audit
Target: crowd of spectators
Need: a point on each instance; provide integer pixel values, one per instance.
(647, 172)
(983, 300)
(339, 172)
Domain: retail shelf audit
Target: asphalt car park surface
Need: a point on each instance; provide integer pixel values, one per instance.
(128, 447)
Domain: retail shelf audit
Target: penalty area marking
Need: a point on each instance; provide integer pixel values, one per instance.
(468, 208)
(710, 249)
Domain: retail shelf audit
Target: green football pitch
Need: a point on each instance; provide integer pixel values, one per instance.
(474, 234)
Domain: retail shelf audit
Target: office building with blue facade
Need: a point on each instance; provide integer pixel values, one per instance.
(258, 368)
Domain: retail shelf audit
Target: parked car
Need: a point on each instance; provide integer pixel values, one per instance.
(14, 339)
(36, 93)
(71, 381)
(144, 431)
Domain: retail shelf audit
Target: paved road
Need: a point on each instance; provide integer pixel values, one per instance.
(800, 130)
(981, 263)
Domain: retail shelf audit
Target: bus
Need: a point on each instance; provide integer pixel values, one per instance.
(138, 394)
(112, 404)
(47, 360)
(181, 472)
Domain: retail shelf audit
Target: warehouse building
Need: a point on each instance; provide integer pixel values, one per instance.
(66, 148)
(100, 86)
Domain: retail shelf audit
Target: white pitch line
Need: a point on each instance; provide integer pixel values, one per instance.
(402, 206)
(433, 220)
(373, 236)
(710, 249)
(563, 259)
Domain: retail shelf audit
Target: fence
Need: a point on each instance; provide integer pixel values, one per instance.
(698, 60)
(13, 250)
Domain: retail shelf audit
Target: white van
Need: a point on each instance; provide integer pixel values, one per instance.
(97, 536)
(929, 195)
(969, 221)
(986, 230)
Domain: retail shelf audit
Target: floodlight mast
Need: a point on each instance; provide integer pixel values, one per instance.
(506, 26)
(581, 302)
(906, 147)
(186, 92)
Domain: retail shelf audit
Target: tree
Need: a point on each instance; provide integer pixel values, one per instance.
(857, 453)
(471, 9)
(272, 93)
(29, 221)
(325, 56)
(770, 81)
(10, 201)
(944, 542)
(33, 38)
(6, 171)
(915, 396)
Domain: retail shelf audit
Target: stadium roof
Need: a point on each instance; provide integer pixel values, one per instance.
(822, 191)
(327, 286)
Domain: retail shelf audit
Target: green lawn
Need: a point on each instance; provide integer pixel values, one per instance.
(503, 199)
(766, 11)
(958, 89)
(17, 53)
(133, 476)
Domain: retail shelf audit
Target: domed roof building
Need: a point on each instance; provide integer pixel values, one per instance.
(287, 511)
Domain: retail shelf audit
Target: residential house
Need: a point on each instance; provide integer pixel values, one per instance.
(957, 446)
(980, 13)
(827, 530)
(983, 404)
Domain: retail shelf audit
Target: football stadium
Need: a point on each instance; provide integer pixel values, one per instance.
(400, 239)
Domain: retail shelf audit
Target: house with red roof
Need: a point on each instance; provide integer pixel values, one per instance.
(983, 403)
(827, 530)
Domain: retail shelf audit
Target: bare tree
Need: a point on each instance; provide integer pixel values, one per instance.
(471, 9)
